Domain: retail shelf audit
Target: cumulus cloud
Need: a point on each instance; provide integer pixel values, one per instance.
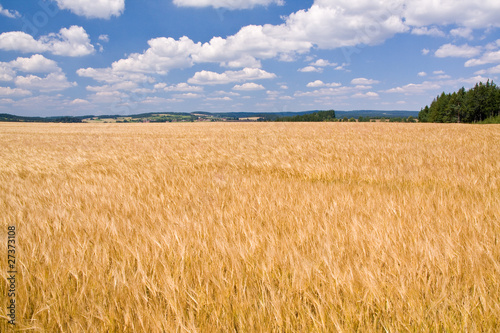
(333, 90)
(345, 23)
(13, 92)
(229, 4)
(369, 94)
(79, 101)
(94, 9)
(125, 85)
(433, 31)
(108, 75)
(492, 70)
(327, 24)
(415, 88)
(246, 74)
(364, 81)
(6, 72)
(322, 63)
(489, 57)
(465, 13)
(319, 83)
(187, 95)
(163, 54)
(249, 87)
(73, 42)
(52, 82)
(309, 69)
(9, 13)
(104, 38)
(462, 32)
(462, 51)
(183, 87)
(226, 98)
(37, 63)
(107, 97)
(251, 43)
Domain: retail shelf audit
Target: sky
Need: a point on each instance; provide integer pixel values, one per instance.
(101, 57)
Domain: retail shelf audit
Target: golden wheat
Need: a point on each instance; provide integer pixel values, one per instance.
(252, 227)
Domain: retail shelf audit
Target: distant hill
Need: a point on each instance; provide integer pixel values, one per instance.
(203, 115)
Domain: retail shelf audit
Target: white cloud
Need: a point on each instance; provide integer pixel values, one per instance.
(183, 87)
(229, 4)
(345, 23)
(163, 54)
(463, 51)
(6, 72)
(327, 24)
(246, 74)
(319, 83)
(226, 98)
(415, 88)
(462, 32)
(433, 31)
(188, 95)
(490, 57)
(93, 9)
(422, 74)
(249, 87)
(363, 81)
(52, 82)
(316, 84)
(251, 43)
(79, 101)
(369, 94)
(6, 101)
(107, 97)
(310, 69)
(223, 93)
(55, 80)
(322, 63)
(465, 13)
(159, 100)
(108, 75)
(492, 70)
(37, 63)
(425, 51)
(73, 42)
(14, 92)
(104, 38)
(20, 41)
(331, 91)
(9, 13)
(493, 46)
(124, 85)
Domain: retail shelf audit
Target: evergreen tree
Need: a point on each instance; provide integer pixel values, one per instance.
(477, 104)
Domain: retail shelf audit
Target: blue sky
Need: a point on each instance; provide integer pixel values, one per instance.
(76, 57)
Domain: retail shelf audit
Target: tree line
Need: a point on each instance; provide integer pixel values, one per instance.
(316, 116)
(478, 104)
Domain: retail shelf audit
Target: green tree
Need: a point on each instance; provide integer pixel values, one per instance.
(475, 105)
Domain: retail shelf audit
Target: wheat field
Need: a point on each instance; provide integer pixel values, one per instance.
(252, 227)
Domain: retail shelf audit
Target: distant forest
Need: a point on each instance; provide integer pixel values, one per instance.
(480, 104)
(316, 116)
